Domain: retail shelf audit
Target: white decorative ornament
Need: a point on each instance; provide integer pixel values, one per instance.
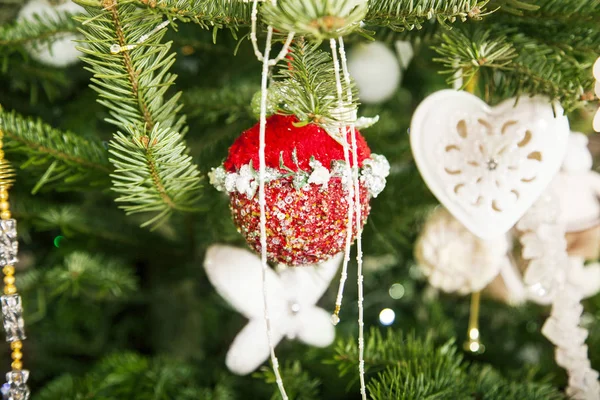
(376, 71)
(455, 260)
(577, 187)
(61, 52)
(487, 165)
(291, 297)
(597, 90)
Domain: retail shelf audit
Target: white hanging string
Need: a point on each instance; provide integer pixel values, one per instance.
(261, 196)
(353, 205)
(357, 205)
(259, 55)
(350, 198)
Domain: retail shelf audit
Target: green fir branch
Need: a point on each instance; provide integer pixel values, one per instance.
(142, 185)
(76, 222)
(85, 276)
(465, 52)
(578, 41)
(402, 15)
(317, 19)
(38, 29)
(299, 385)
(69, 161)
(515, 7)
(512, 64)
(126, 374)
(153, 174)
(309, 80)
(492, 386)
(209, 14)
(569, 12)
(544, 70)
(207, 105)
(410, 368)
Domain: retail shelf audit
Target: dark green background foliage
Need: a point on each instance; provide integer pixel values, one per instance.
(119, 311)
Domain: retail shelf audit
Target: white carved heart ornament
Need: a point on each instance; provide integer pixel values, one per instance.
(488, 165)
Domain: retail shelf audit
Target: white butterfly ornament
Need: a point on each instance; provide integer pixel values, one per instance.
(292, 293)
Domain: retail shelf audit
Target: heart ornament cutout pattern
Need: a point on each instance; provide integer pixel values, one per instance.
(488, 165)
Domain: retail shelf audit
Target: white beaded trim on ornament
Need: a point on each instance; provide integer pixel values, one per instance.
(373, 173)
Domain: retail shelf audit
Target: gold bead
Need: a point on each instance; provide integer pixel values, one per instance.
(4, 205)
(10, 289)
(8, 270)
(5, 214)
(9, 280)
(16, 345)
(1, 154)
(17, 365)
(3, 194)
(17, 355)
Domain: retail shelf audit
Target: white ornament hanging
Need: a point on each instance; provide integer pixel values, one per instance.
(61, 51)
(597, 90)
(487, 165)
(455, 260)
(376, 71)
(577, 187)
(292, 293)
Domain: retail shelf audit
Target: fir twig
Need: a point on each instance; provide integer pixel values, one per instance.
(39, 28)
(68, 158)
(153, 172)
(309, 80)
(513, 64)
(209, 14)
(409, 14)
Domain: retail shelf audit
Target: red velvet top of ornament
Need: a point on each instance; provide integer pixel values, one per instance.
(282, 138)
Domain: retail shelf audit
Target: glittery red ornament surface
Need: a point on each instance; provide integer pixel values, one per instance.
(303, 226)
(282, 139)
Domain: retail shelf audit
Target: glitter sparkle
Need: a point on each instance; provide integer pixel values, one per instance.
(304, 226)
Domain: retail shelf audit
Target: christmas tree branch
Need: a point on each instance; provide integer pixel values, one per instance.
(568, 12)
(89, 276)
(153, 173)
(209, 14)
(309, 79)
(515, 7)
(208, 105)
(395, 14)
(514, 64)
(408, 367)
(158, 378)
(73, 161)
(409, 14)
(38, 28)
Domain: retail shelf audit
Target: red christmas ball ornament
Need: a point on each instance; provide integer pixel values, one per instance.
(305, 189)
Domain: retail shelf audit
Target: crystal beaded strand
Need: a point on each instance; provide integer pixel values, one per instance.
(261, 179)
(359, 261)
(12, 311)
(335, 318)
